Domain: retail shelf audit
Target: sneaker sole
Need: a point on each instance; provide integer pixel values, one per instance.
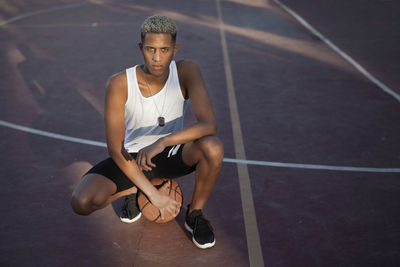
(204, 246)
(127, 220)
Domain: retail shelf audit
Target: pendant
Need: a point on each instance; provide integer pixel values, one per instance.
(161, 121)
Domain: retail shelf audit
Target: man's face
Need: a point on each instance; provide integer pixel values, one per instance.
(158, 50)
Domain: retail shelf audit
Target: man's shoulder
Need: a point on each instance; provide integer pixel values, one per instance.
(117, 84)
(186, 65)
(187, 69)
(117, 79)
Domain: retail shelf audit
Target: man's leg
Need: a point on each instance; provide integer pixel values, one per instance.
(95, 192)
(207, 154)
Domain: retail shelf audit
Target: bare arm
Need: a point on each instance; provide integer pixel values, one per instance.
(206, 124)
(192, 81)
(116, 96)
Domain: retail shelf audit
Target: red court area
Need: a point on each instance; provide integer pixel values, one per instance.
(312, 145)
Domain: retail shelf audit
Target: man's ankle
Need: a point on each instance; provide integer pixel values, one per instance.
(192, 208)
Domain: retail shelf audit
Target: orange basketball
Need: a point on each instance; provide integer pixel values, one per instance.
(151, 212)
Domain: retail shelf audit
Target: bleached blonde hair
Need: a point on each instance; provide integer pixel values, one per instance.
(158, 24)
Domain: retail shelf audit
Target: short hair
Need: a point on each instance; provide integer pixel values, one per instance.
(158, 24)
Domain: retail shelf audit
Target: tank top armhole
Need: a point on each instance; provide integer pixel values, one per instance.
(131, 81)
(178, 84)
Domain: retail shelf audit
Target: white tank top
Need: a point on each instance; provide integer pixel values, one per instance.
(141, 114)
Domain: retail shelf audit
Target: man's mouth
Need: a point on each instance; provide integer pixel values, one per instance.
(156, 67)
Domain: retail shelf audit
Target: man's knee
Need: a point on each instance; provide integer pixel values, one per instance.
(212, 148)
(81, 204)
(92, 193)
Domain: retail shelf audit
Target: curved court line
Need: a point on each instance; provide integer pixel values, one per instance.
(52, 135)
(41, 11)
(363, 71)
(227, 160)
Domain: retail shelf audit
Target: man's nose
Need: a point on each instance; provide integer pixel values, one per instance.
(156, 56)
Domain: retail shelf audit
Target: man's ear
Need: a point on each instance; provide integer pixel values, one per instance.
(176, 48)
(140, 45)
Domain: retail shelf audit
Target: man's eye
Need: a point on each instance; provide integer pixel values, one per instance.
(150, 49)
(164, 50)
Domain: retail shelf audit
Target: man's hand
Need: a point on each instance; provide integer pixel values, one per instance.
(165, 203)
(145, 155)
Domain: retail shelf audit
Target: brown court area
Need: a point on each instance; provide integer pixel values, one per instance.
(311, 174)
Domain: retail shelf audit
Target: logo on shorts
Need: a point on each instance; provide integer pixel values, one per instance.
(173, 151)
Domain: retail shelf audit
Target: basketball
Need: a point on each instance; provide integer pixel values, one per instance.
(151, 212)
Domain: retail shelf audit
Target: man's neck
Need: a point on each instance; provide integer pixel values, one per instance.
(156, 80)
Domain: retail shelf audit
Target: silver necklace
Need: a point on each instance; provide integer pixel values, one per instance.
(161, 119)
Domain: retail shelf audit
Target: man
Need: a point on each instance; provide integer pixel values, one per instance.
(143, 117)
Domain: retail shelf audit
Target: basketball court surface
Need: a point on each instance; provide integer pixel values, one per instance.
(307, 97)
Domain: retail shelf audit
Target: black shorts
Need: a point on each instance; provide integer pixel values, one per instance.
(169, 165)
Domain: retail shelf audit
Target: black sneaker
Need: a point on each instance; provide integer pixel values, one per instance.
(200, 228)
(130, 211)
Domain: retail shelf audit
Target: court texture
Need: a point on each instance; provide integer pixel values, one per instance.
(307, 97)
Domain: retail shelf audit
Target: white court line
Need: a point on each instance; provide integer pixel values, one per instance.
(251, 162)
(41, 11)
(227, 160)
(363, 71)
(313, 166)
(52, 135)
